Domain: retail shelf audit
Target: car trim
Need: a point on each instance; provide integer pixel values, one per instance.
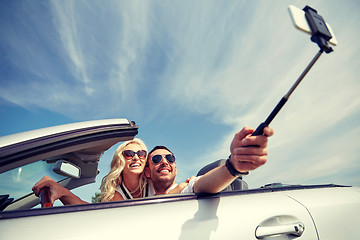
(151, 200)
(10, 158)
(38, 133)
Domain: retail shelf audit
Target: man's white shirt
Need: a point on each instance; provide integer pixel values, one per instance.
(188, 189)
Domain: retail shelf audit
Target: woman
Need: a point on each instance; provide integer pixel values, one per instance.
(126, 179)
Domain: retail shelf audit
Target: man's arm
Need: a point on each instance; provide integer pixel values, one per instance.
(242, 159)
(57, 192)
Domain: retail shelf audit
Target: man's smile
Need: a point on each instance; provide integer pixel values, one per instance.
(164, 170)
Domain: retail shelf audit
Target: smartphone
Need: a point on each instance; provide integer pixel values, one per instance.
(298, 18)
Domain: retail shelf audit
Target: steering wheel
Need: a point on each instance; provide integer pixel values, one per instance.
(45, 200)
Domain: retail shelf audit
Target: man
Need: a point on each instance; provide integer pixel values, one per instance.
(247, 153)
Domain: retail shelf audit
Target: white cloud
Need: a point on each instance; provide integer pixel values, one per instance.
(65, 19)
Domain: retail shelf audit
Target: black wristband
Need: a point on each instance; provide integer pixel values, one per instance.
(232, 170)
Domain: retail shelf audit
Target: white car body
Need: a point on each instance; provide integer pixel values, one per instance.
(274, 212)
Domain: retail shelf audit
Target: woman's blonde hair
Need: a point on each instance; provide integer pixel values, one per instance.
(114, 177)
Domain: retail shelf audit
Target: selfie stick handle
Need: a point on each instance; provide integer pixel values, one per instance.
(260, 129)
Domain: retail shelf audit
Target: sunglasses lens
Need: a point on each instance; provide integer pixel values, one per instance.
(156, 159)
(141, 154)
(170, 158)
(128, 154)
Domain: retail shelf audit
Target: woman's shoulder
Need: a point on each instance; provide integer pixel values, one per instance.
(117, 197)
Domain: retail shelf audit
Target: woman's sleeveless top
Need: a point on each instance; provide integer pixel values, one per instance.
(125, 193)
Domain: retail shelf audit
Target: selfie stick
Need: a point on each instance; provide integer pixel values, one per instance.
(319, 34)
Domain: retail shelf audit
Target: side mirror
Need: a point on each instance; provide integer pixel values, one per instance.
(67, 169)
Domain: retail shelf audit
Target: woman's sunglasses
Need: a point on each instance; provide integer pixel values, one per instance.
(128, 154)
(156, 159)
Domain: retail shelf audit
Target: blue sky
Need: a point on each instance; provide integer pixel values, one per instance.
(190, 74)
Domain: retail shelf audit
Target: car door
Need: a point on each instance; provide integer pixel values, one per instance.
(251, 215)
(241, 215)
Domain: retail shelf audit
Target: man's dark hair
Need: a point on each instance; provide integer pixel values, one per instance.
(159, 147)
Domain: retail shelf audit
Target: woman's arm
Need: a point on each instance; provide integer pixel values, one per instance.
(57, 192)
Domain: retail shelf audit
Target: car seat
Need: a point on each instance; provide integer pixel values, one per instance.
(237, 184)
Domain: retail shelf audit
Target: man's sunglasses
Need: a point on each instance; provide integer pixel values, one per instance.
(128, 154)
(156, 159)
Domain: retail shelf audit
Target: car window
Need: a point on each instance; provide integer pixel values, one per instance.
(19, 181)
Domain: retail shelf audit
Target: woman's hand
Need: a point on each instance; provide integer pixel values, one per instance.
(57, 192)
(181, 186)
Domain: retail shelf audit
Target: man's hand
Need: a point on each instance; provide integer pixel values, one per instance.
(249, 152)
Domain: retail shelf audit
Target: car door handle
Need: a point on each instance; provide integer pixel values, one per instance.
(296, 229)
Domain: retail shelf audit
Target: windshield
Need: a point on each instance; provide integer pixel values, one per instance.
(19, 181)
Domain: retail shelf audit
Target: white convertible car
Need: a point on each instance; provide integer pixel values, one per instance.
(71, 153)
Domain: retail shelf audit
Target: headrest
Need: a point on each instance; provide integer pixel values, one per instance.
(237, 184)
